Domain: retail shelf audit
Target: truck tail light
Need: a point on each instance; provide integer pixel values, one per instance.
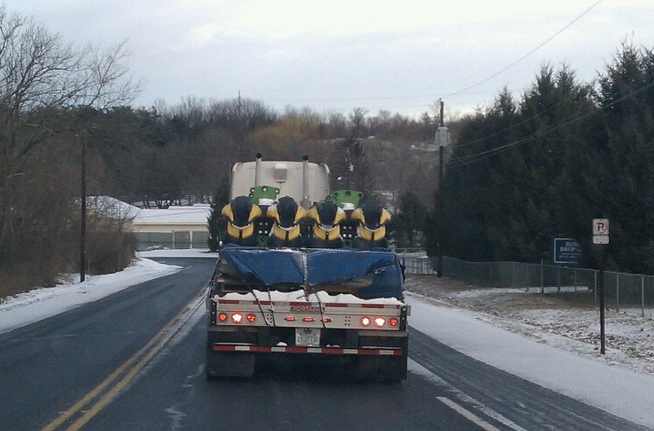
(379, 321)
(251, 318)
(237, 317)
(308, 319)
(222, 317)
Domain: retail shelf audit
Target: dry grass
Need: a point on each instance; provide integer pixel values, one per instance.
(21, 278)
(493, 299)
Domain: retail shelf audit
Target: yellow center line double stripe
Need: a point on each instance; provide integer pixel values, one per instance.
(137, 362)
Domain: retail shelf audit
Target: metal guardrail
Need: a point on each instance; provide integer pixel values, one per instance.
(620, 289)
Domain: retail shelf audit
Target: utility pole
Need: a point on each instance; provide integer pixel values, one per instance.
(82, 245)
(442, 139)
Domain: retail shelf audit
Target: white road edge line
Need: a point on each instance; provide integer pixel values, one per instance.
(416, 368)
(467, 414)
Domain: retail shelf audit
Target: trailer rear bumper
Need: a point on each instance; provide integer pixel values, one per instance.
(362, 351)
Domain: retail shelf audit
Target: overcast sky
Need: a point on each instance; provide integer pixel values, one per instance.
(333, 56)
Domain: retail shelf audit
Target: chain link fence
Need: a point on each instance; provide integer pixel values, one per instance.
(621, 290)
(172, 239)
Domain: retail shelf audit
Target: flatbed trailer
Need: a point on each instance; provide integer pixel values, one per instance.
(316, 302)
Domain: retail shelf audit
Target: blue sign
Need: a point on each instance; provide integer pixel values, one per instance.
(566, 250)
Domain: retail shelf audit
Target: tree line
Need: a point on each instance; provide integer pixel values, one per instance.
(524, 171)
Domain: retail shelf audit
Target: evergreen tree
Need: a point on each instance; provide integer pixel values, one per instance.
(515, 180)
(409, 223)
(626, 95)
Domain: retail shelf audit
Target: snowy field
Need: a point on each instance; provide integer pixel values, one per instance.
(551, 342)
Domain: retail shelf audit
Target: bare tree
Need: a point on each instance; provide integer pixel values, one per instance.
(357, 120)
(41, 78)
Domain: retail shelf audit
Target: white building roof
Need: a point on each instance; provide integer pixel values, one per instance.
(112, 207)
(195, 215)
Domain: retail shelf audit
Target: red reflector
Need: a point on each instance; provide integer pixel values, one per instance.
(251, 318)
(290, 319)
(308, 319)
(326, 319)
(222, 317)
(394, 321)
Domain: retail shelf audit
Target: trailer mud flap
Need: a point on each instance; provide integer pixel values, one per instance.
(391, 369)
(229, 364)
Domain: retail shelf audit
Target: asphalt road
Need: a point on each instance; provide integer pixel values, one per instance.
(134, 361)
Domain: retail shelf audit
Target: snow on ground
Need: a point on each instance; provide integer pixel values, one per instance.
(25, 308)
(165, 252)
(551, 340)
(547, 339)
(568, 320)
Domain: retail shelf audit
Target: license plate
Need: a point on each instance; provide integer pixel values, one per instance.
(307, 337)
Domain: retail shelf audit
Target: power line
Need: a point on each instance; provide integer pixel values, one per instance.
(521, 122)
(496, 74)
(472, 158)
(458, 92)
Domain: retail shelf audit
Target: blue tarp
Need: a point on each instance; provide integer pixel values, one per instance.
(272, 267)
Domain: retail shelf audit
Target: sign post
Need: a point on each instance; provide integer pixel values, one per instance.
(601, 239)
